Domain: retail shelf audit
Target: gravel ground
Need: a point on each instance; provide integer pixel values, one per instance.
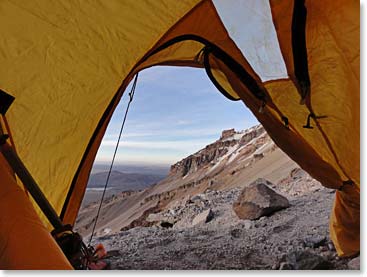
(293, 238)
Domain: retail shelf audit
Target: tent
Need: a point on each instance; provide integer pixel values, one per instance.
(66, 64)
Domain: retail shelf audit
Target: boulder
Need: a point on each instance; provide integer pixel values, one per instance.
(203, 217)
(258, 200)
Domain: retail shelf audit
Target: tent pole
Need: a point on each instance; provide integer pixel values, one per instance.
(20, 169)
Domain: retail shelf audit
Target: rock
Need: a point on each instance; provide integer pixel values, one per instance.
(285, 266)
(331, 246)
(203, 217)
(258, 156)
(196, 198)
(154, 217)
(165, 224)
(236, 233)
(306, 260)
(258, 200)
(315, 241)
(227, 133)
(354, 264)
(247, 224)
(106, 231)
(172, 212)
(263, 218)
(328, 255)
(297, 173)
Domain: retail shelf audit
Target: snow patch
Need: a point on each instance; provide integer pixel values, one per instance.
(264, 148)
(229, 152)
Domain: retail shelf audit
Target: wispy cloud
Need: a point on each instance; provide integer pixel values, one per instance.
(159, 133)
(165, 160)
(159, 145)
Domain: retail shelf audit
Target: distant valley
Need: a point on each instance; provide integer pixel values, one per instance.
(121, 181)
(154, 169)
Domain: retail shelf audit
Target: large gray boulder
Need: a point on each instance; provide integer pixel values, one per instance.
(258, 200)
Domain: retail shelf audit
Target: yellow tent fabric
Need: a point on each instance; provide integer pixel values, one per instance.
(67, 64)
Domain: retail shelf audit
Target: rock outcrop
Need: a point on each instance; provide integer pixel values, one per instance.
(212, 153)
(258, 200)
(204, 157)
(227, 134)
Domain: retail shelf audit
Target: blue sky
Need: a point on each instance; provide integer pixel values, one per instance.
(176, 111)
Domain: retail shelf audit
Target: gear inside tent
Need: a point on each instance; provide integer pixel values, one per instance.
(66, 64)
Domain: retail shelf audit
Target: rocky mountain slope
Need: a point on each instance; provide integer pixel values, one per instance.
(188, 220)
(234, 160)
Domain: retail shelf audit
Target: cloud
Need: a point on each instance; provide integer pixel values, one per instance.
(165, 160)
(184, 122)
(159, 132)
(180, 145)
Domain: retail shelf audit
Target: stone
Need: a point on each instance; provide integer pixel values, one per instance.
(331, 246)
(247, 224)
(258, 200)
(203, 217)
(165, 224)
(285, 266)
(263, 218)
(323, 248)
(236, 233)
(315, 241)
(306, 260)
(354, 264)
(196, 198)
